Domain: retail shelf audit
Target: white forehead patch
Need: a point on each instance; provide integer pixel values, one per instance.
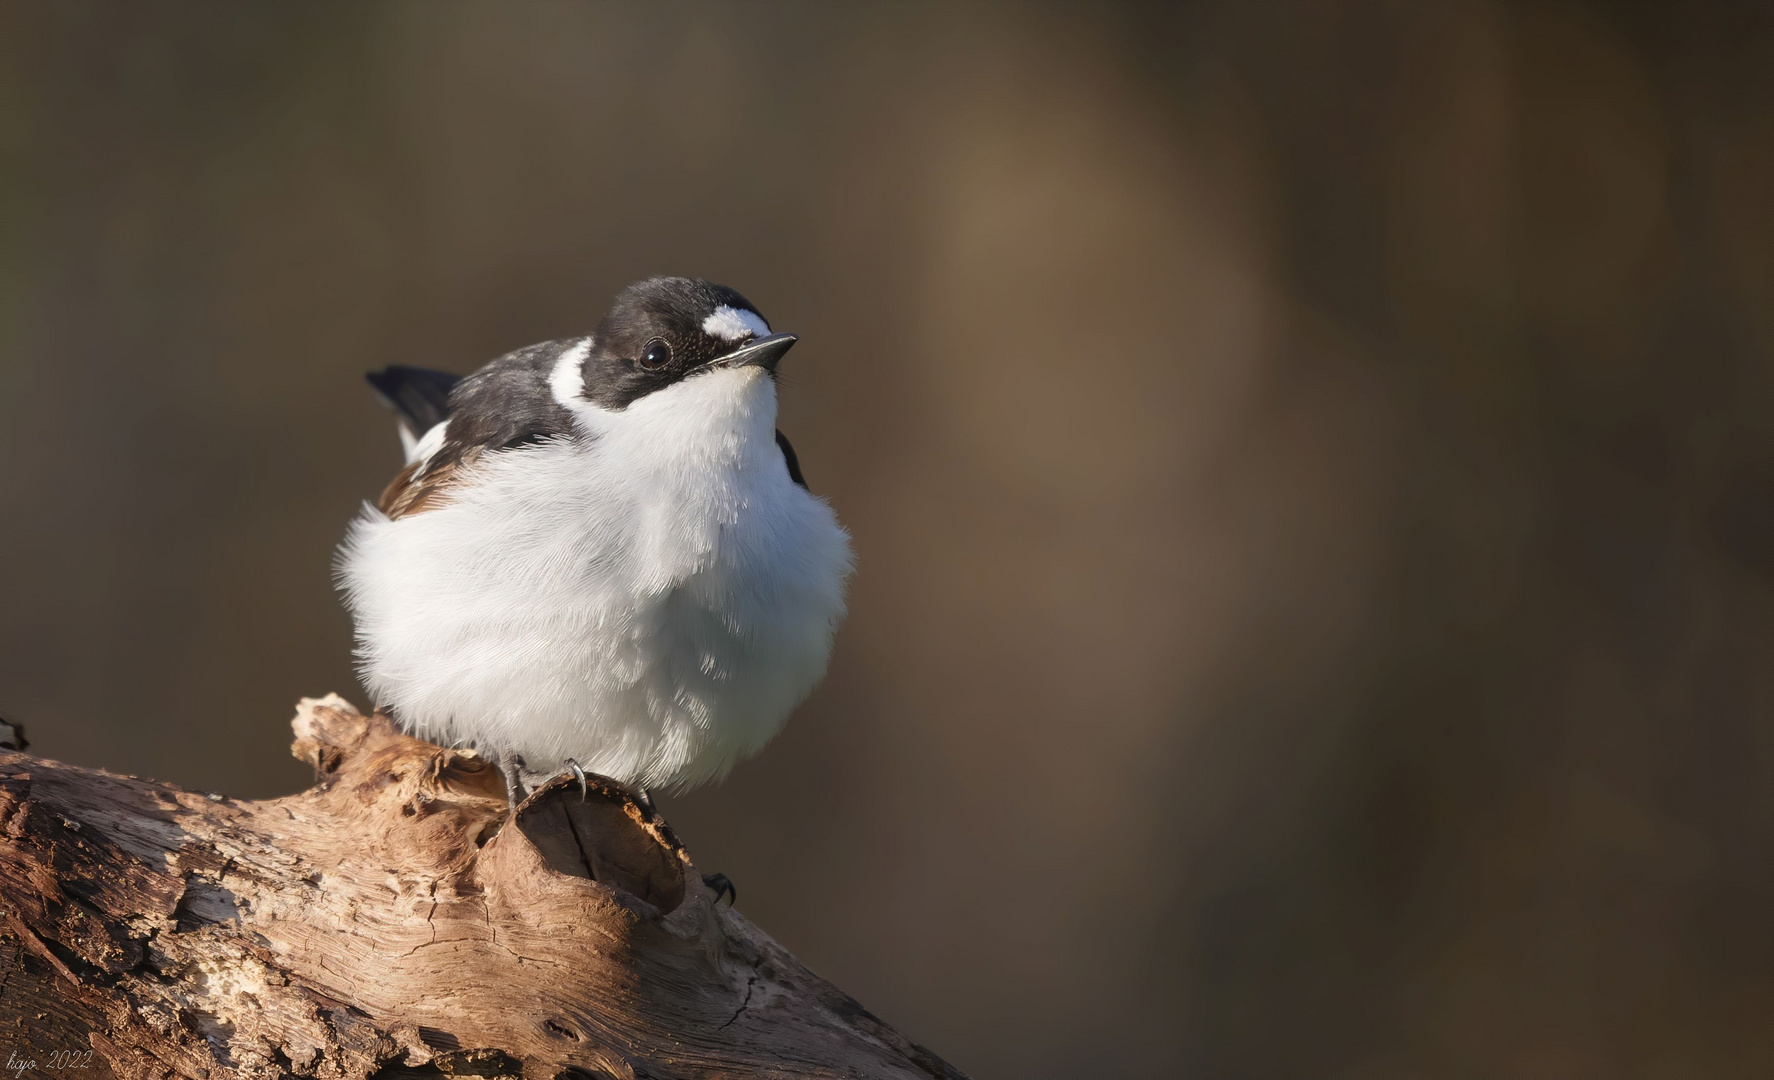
(730, 324)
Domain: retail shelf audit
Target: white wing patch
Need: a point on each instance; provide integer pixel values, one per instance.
(422, 448)
(731, 323)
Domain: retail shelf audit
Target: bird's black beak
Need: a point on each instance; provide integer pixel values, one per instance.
(762, 352)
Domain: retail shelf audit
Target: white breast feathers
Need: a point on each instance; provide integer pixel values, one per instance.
(651, 596)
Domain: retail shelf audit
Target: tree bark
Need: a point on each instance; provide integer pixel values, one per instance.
(390, 921)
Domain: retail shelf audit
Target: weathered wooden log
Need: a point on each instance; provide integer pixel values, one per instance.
(390, 921)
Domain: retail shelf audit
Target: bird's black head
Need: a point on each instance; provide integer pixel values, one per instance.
(665, 329)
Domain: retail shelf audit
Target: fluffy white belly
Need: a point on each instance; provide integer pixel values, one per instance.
(655, 621)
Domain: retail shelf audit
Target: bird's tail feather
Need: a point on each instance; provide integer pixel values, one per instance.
(419, 398)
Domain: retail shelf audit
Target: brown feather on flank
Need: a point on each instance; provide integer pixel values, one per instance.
(416, 489)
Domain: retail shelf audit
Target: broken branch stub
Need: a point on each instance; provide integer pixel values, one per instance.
(390, 921)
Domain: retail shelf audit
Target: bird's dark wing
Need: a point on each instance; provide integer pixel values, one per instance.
(788, 455)
(419, 397)
(506, 404)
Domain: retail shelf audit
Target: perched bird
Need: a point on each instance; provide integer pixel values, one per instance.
(601, 554)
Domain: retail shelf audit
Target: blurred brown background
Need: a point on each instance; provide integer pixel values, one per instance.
(1312, 467)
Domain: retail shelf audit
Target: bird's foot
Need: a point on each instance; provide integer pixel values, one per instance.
(578, 774)
(511, 767)
(642, 796)
(722, 886)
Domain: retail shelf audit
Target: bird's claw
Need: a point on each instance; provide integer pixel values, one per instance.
(578, 774)
(722, 886)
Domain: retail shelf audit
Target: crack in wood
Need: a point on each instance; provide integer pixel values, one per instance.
(750, 984)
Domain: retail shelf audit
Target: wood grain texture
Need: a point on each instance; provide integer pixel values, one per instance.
(389, 922)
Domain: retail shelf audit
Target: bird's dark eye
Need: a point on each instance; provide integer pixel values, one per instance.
(657, 355)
